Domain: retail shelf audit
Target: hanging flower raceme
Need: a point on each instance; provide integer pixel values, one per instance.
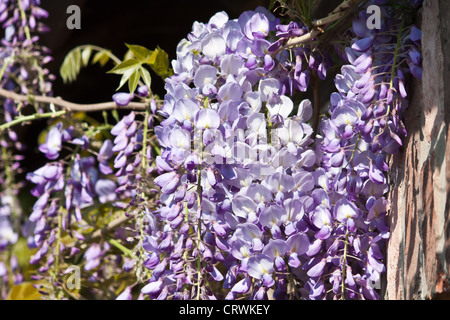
(65, 187)
(236, 169)
(20, 52)
(241, 184)
(22, 70)
(364, 127)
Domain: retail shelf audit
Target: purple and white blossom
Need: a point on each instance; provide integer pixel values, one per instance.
(236, 191)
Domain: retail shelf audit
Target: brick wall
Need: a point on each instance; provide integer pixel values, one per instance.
(418, 253)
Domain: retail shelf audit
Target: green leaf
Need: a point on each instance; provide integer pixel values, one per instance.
(76, 62)
(128, 55)
(71, 65)
(271, 5)
(72, 69)
(6, 63)
(141, 53)
(102, 57)
(115, 115)
(65, 69)
(159, 62)
(78, 58)
(63, 72)
(133, 82)
(125, 78)
(22, 252)
(146, 76)
(85, 55)
(126, 66)
(24, 291)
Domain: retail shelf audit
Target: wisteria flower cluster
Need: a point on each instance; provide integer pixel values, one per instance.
(15, 44)
(22, 70)
(243, 187)
(237, 190)
(22, 57)
(67, 187)
(364, 127)
(223, 189)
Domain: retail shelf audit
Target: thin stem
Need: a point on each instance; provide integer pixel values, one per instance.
(144, 144)
(364, 154)
(316, 107)
(397, 47)
(393, 65)
(354, 150)
(23, 16)
(340, 12)
(6, 64)
(111, 226)
(186, 220)
(70, 106)
(32, 117)
(40, 75)
(7, 169)
(353, 257)
(269, 129)
(97, 48)
(199, 221)
(58, 247)
(199, 236)
(60, 214)
(301, 9)
(119, 246)
(309, 10)
(295, 42)
(344, 270)
(304, 9)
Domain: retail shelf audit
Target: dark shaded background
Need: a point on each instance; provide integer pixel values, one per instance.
(111, 24)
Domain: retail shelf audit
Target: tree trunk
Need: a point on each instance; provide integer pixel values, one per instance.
(418, 252)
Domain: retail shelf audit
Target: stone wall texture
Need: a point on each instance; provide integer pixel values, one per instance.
(418, 252)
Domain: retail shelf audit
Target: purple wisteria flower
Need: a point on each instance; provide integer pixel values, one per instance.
(248, 199)
(122, 99)
(8, 236)
(260, 267)
(63, 192)
(53, 143)
(244, 190)
(363, 128)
